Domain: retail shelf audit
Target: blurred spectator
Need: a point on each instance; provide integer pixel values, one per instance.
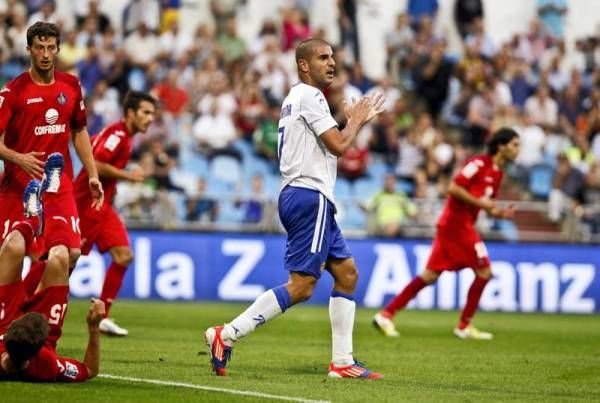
(567, 189)
(231, 46)
(417, 9)
(201, 207)
(480, 114)
(46, 13)
(173, 98)
(432, 77)
(410, 156)
(70, 53)
(354, 162)
(254, 204)
(141, 46)
(141, 12)
(89, 10)
(552, 14)
(348, 32)
(465, 13)
(295, 27)
(266, 134)
(390, 208)
(222, 11)
(89, 69)
(215, 133)
(175, 42)
(542, 109)
(389, 91)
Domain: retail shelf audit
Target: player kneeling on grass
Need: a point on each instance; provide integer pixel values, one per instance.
(309, 145)
(457, 244)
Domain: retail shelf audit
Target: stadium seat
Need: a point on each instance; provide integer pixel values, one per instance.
(188, 180)
(245, 148)
(195, 163)
(226, 168)
(540, 180)
(343, 188)
(365, 188)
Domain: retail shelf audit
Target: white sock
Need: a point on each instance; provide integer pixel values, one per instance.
(264, 308)
(341, 315)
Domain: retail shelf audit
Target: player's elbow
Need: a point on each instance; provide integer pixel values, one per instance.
(92, 372)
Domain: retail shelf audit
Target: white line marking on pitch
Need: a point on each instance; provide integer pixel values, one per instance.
(211, 389)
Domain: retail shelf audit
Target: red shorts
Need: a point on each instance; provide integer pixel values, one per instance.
(455, 248)
(107, 232)
(61, 223)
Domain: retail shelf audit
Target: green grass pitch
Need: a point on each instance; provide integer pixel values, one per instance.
(533, 357)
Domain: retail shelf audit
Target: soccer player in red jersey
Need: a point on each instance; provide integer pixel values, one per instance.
(40, 111)
(112, 150)
(457, 244)
(29, 329)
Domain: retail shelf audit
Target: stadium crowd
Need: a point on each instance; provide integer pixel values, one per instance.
(211, 153)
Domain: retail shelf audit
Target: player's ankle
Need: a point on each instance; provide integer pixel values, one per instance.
(462, 325)
(386, 314)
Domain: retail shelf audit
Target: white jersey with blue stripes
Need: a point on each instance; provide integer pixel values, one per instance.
(304, 160)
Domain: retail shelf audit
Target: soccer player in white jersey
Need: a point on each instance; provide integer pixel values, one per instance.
(309, 145)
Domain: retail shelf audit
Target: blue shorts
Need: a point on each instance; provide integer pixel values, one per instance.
(313, 235)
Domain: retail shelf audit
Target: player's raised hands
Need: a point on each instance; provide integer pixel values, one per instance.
(32, 164)
(377, 102)
(364, 109)
(97, 193)
(95, 313)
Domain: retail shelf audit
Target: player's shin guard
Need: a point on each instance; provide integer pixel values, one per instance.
(112, 284)
(472, 301)
(267, 306)
(341, 314)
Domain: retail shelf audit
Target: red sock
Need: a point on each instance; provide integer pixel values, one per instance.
(27, 228)
(33, 278)
(472, 301)
(112, 284)
(400, 300)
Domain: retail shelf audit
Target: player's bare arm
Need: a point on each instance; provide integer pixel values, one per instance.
(464, 196)
(83, 147)
(92, 353)
(358, 113)
(109, 171)
(29, 162)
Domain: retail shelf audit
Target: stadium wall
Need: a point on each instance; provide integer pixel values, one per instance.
(235, 267)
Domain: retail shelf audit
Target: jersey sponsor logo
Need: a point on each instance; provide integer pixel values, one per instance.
(34, 100)
(61, 98)
(51, 117)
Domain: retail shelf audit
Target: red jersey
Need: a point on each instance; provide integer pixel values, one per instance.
(481, 178)
(37, 117)
(112, 146)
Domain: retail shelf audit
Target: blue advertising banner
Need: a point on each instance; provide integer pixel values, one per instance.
(236, 267)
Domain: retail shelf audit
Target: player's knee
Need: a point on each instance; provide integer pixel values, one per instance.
(429, 276)
(348, 279)
(301, 289)
(14, 246)
(59, 256)
(123, 257)
(485, 274)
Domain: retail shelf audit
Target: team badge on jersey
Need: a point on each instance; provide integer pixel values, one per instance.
(61, 98)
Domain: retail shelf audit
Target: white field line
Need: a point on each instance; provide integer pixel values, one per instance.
(212, 389)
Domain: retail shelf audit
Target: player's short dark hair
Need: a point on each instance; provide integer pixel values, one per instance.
(502, 137)
(305, 48)
(25, 336)
(133, 99)
(43, 29)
